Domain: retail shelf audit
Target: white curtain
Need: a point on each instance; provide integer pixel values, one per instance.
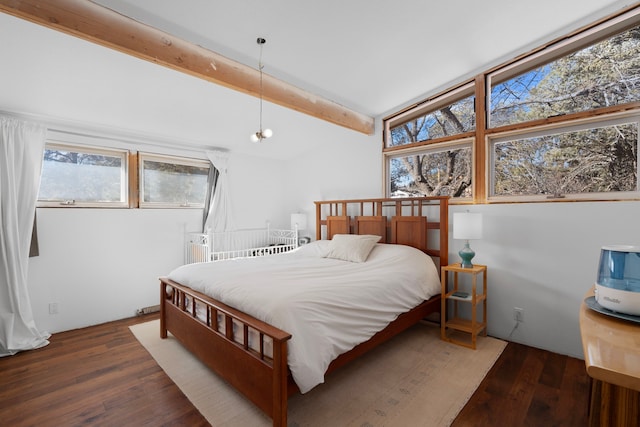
(220, 216)
(21, 149)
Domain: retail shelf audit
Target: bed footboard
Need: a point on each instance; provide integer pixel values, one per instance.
(249, 354)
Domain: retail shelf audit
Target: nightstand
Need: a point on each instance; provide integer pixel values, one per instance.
(452, 324)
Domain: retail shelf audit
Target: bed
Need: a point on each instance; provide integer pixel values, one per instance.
(260, 357)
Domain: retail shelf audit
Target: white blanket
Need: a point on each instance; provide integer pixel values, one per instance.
(327, 305)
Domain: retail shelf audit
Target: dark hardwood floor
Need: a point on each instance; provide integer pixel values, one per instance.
(530, 387)
(101, 375)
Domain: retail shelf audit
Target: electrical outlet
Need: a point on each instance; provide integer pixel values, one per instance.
(53, 308)
(518, 314)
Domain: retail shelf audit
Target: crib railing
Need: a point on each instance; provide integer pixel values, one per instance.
(252, 243)
(203, 247)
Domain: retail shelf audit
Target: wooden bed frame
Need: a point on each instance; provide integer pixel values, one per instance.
(263, 376)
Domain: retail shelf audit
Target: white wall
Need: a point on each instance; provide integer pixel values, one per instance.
(256, 186)
(103, 264)
(344, 168)
(543, 258)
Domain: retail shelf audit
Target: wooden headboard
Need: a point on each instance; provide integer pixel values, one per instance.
(421, 222)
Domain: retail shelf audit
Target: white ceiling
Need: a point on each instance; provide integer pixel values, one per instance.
(372, 56)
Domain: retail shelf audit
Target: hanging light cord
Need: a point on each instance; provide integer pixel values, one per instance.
(262, 133)
(261, 42)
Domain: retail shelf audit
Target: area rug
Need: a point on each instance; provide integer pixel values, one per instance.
(415, 379)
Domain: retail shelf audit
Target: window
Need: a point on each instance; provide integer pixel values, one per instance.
(561, 123)
(172, 181)
(445, 116)
(83, 177)
(600, 75)
(594, 157)
(443, 170)
(429, 151)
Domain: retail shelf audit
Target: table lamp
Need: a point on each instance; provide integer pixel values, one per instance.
(467, 226)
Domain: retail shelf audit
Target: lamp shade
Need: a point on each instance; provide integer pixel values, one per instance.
(299, 220)
(467, 225)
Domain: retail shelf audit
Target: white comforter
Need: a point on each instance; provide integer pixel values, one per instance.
(327, 305)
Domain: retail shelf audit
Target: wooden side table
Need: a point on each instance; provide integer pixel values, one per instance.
(612, 357)
(452, 323)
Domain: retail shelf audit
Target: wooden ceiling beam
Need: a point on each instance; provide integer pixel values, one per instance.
(97, 24)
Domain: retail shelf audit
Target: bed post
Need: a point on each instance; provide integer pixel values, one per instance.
(318, 221)
(280, 379)
(444, 231)
(163, 301)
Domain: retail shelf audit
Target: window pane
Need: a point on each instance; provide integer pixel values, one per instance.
(598, 160)
(84, 177)
(437, 173)
(453, 119)
(174, 184)
(600, 75)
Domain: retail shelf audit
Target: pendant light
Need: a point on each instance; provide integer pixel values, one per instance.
(262, 133)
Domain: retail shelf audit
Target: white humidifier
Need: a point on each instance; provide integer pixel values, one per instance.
(618, 285)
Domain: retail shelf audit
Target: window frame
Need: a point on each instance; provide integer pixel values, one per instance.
(426, 107)
(87, 149)
(413, 149)
(177, 160)
(571, 126)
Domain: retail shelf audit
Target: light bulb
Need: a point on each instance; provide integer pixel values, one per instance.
(267, 133)
(255, 137)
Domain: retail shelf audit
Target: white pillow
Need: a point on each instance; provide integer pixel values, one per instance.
(352, 247)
